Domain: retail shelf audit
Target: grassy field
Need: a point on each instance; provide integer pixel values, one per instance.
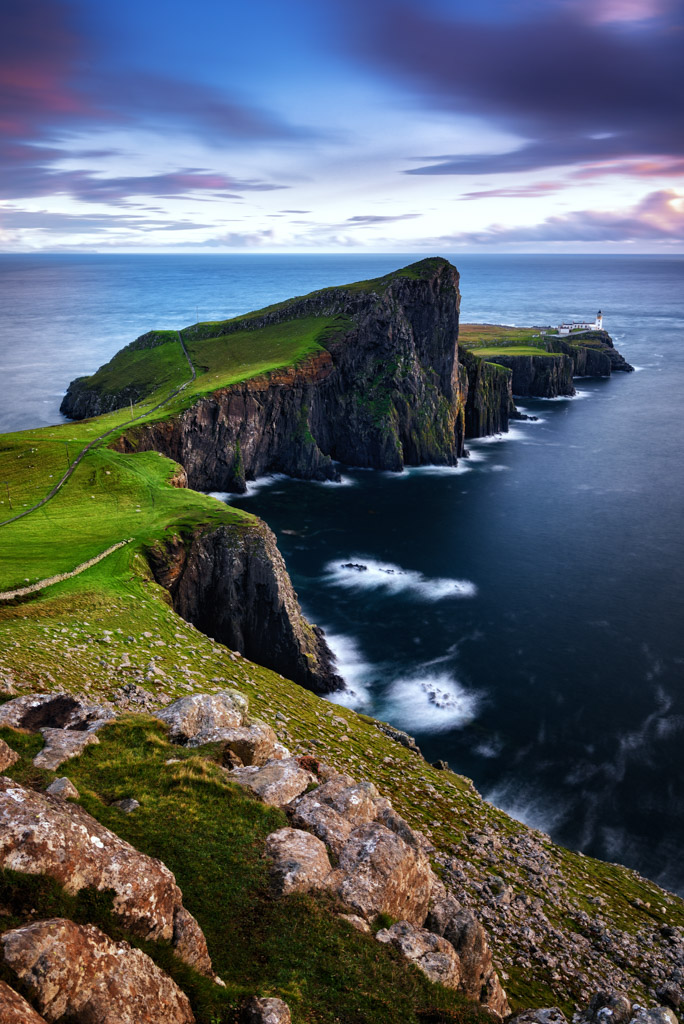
(487, 352)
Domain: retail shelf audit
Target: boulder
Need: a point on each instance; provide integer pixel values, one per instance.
(68, 724)
(546, 1015)
(276, 782)
(431, 954)
(443, 907)
(266, 1011)
(63, 788)
(311, 813)
(61, 745)
(479, 980)
(77, 971)
(607, 1007)
(254, 744)
(201, 713)
(45, 835)
(38, 711)
(671, 995)
(379, 873)
(299, 861)
(8, 757)
(653, 1015)
(14, 1009)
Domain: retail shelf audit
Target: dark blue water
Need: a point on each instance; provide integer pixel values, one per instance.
(531, 629)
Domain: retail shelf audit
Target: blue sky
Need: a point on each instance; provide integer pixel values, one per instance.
(388, 125)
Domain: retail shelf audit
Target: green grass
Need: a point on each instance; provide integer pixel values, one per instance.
(476, 336)
(212, 835)
(513, 350)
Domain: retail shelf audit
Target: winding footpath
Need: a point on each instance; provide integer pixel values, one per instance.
(84, 451)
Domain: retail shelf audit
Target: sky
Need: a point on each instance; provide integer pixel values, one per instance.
(344, 125)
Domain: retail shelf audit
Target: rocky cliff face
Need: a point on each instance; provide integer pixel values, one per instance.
(384, 393)
(232, 584)
(487, 395)
(545, 375)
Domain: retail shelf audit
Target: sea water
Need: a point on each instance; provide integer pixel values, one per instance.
(521, 614)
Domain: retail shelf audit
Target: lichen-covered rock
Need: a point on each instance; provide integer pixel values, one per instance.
(191, 717)
(63, 788)
(299, 861)
(14, 1009)
(432, 954)
(68, 724)
(479, 980)
(8, 757)
(653, 1015)
(44, 835)
(38, 711)
(76, 971)
(276, 782)
(544, 1015)
(61, 745)
(256, 743)
(266, 1011)
(607, 1007)
(379, 873)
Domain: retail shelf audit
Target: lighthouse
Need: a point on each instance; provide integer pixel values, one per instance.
(599, 321)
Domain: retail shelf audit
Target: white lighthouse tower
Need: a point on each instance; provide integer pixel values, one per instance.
(599, 321)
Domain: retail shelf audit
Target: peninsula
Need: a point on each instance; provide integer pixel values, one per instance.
(216, 818)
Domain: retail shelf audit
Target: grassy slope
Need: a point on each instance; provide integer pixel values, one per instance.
(113, 625)
(293, 947)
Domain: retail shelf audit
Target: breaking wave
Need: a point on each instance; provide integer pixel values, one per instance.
(367, 574)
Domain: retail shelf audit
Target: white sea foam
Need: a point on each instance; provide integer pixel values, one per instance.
(527, 806)
(359, 573)
(353, 667)
(433, 702)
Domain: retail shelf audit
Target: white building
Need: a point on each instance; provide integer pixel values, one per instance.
(580, 326)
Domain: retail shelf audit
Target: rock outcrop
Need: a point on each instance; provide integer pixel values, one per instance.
(265, 1011)
(299, 861)
(77, 972)
(232, 584)
(222, 718)
(45, 835)
(68, 725)
(431, 954)
(8, 757)
(15, 1010)
(277, 782)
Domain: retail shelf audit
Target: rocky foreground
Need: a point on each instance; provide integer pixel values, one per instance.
(343, 842)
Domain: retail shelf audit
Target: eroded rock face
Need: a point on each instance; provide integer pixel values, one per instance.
(45, 835)
(277, 782)
(432, 954)
(254, 744)
(479, 980)
(77, 971)
(379, 873)
(190, 718)
(266, 1011)
(299, 861)
(14, 1009)
(53, 711)
(68, 724)
(8, 757)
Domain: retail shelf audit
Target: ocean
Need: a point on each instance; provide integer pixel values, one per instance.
(522, 614)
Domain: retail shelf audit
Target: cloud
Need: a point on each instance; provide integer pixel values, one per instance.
(573, 89)
(367, 220)
(659, 217)
(542, 188)
(52, 88)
